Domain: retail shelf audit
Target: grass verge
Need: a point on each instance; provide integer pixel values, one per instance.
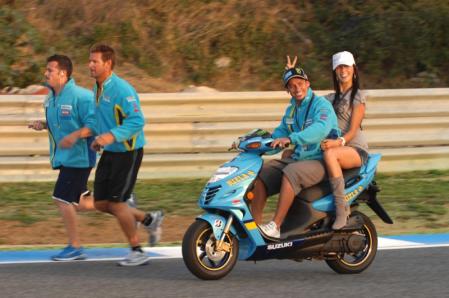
(418, 202)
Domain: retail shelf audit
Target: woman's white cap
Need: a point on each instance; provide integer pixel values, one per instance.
(344, 58)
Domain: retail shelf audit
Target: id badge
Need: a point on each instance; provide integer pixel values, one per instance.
(289, 121)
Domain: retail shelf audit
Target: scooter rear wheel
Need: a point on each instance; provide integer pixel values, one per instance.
(351, 263)
(200, 255)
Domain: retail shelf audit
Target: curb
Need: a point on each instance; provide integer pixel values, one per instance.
(174, 252)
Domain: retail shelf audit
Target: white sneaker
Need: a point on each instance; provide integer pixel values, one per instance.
(270, 230)
(134, 258)
(154, 228)
(132, 201)
(154, 236)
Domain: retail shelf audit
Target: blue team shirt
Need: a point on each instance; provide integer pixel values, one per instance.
(118, 112)
(307, 134)
(73, 108)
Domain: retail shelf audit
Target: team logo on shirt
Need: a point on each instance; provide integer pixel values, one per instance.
(323, 114)
(66, 111)
(308, 122)
(136, 108)
(130, 99)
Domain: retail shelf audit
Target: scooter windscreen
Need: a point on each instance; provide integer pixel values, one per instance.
(256, 141)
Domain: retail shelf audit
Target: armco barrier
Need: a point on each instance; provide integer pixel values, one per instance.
(189, 133)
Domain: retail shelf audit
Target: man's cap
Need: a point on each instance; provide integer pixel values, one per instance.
(342, 58)
(291, 73)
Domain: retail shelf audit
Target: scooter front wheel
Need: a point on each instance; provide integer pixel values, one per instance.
(200, 253)
(350, 263)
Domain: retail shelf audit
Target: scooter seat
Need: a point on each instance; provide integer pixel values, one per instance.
(318, 191)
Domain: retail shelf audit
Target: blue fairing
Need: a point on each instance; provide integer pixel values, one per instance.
(247, 245)
(217, 223)
(367, 173)
(228, 195)
(231, 189)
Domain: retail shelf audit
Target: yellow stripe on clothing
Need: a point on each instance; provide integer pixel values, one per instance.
(119, 117)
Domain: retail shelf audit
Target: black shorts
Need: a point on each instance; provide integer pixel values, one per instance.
(71, 184)
(116, 175)
(363, 154)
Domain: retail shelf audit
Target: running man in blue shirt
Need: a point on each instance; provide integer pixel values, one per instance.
(120, 134)
(70, 122)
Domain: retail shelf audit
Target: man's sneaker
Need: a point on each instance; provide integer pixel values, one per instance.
(70, 253)
(132, 201)
(154, 228)
(135, 258)
(155, 236)
(270, 230)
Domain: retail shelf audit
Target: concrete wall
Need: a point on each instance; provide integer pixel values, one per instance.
(189, 133)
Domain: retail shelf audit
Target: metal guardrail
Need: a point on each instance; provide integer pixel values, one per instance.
(189, 133)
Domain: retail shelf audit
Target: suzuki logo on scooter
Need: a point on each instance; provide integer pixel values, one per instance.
(240, 178)
(279, 245)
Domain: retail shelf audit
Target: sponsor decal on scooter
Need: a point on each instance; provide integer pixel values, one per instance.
(240, 178)
(353, 193)
(279, 245)
(251, 225)
(218, 223)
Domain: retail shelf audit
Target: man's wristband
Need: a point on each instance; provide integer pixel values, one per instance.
(343, 141)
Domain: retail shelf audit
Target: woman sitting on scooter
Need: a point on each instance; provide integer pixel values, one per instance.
(351, 149)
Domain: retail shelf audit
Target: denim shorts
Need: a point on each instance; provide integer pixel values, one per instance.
(71, 184)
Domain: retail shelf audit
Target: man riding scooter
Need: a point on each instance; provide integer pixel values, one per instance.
(308, 120)
(228, 232)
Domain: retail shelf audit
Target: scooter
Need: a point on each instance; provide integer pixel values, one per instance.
(227, 231)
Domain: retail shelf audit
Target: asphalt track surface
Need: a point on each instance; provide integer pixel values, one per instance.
(415, 272)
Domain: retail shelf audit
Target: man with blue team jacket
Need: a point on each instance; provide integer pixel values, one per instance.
(70, 122)
(120, 133)
(308, 120)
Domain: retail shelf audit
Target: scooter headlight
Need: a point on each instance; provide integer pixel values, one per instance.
(222, 173)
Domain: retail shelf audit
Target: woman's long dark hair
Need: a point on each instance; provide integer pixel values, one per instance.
(355, 87)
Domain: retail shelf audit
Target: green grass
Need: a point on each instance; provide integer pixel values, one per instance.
(417, 201)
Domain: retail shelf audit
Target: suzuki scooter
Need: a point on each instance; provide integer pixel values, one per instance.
(227, 231)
